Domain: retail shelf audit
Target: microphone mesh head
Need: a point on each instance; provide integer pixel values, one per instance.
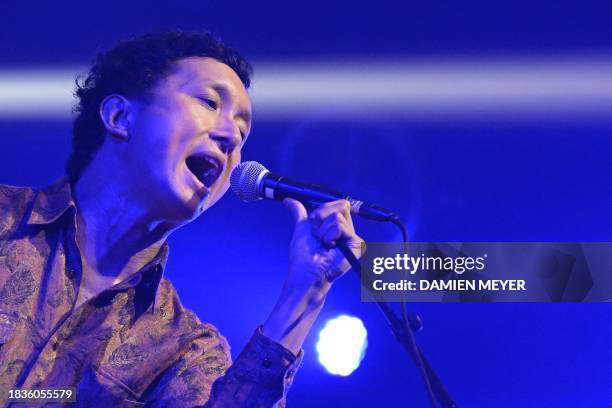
(245, 180)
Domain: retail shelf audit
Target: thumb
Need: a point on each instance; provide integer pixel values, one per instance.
(298, 211)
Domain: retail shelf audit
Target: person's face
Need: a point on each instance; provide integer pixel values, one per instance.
(187, 136)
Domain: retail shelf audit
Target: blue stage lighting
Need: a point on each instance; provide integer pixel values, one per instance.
(341, 345)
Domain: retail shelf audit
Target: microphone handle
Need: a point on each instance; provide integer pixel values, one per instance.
(276, 187)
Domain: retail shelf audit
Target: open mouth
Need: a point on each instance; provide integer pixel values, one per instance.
(206, 168)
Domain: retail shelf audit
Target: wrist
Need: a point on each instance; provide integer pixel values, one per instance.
(309, 287)
(297, 307)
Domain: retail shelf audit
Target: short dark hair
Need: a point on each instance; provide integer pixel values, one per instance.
(132, 68)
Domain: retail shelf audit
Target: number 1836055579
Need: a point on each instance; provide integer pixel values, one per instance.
(40, 394)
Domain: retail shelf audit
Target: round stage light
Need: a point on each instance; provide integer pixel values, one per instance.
(341, 345)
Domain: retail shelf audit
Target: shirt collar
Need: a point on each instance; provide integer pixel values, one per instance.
(51, 203)
(148, 273)
(146, 282)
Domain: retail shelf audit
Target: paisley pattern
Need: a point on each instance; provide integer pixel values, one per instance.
(7, 327)
(18, 288)
(12, 204)
(113, 355)
(127, 356)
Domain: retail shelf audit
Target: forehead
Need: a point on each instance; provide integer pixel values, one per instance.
(194, 73)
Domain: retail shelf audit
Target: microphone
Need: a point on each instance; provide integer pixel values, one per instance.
(251, 181)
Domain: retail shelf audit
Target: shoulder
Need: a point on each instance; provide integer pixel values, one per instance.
(12, 195)
(36, 206)
(14, 204)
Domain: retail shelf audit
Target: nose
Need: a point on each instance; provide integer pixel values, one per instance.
(227, 135)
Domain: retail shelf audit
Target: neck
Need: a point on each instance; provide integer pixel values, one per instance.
(117, 233)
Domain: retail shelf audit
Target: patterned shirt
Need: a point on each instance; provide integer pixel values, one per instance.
(132, 345)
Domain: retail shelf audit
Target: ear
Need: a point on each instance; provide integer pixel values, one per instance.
(115, 114)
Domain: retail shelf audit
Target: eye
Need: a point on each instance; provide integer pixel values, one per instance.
(209, 102)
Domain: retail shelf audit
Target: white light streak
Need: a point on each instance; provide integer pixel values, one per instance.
(475, 89)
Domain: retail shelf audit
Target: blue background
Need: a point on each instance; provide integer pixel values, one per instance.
(538, 179)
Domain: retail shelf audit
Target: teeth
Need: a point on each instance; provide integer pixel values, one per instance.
(212, 161)
(206, 173)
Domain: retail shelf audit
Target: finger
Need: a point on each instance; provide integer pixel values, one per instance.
(325, 210)
(331, 220)
(339, 233)
(330, 235)
(297, 209)
(335, 228)
(333, 235)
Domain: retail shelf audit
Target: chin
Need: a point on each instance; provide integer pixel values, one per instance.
(216, 193)
(195, 205)
(201, 201)
(190, 198)
(180, 206)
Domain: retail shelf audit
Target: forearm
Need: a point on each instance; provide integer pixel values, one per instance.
(313, 266)
(295, 311)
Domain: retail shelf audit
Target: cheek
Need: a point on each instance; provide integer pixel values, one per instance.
(170, 149)
(167, 132)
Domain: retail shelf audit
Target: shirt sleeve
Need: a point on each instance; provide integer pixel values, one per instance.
(259, 377)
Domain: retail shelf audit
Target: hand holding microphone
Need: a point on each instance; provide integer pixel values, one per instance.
(313, 256)
(313, 245)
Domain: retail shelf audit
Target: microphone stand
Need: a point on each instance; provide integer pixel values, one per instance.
(436, 390)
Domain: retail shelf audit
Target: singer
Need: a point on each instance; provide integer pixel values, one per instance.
(161, 120)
